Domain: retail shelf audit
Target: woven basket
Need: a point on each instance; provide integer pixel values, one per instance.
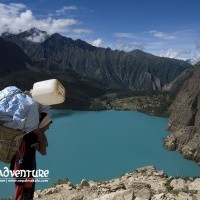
(10, 140)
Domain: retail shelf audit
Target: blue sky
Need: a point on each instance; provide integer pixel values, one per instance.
(168, 28)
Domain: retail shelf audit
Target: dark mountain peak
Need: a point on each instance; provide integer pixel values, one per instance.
(32, 31)
(35, 30)
(31, 35)
(136, 51)
(140, 53)
(84, 45)
(34, 35)
(56, 35)
(58, 39)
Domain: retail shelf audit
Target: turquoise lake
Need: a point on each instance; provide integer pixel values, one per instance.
(103, 145)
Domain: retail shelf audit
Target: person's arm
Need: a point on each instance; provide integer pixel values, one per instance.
(42, 142)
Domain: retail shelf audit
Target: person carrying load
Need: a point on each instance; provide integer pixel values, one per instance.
(19, 112)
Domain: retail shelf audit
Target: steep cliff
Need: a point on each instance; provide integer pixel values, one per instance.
(174, 86)
(184, 121)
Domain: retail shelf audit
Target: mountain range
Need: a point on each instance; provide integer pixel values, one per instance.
(135, 70)
(88, 72)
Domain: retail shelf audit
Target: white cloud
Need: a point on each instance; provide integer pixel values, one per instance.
(162, 35)
(15, 18)
(125, 35)
(130, 46)
(40, 37)
(11, 10)
(98, 42)
(64, 9)
(170, 53)
(180, 54)
(196, 58)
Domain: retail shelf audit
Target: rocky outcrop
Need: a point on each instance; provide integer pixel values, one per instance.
(174, 86)
(143, 184)
(184, 121)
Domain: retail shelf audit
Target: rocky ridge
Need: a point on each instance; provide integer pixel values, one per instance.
(184, 121)
(145, 183)
(135, 70)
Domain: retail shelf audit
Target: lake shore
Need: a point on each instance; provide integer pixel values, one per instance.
(142, 184)
(155, 104)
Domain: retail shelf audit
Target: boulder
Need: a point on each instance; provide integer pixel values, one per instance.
(158, 196)
(128, 195)
(196, 196)
(144, 193)
(178, 184)
(145, 169)
(84, 183)
(195, 185)
(183, 196)
(116, 187)
(160, 174)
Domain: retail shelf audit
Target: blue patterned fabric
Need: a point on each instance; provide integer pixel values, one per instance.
(18, 110)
